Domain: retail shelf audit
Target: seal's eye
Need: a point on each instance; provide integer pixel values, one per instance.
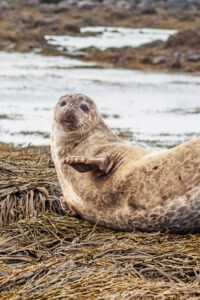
(63, 103)
(84, 107)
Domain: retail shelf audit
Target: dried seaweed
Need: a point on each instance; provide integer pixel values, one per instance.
(28, 183)
(45, 254)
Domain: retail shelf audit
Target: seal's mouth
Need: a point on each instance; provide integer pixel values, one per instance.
(72, 124)
(72, 127)
(78, 133)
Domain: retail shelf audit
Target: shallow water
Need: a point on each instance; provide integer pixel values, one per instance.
(157, 110)
(106, 37)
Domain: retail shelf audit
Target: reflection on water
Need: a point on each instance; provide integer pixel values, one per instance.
(157, 110)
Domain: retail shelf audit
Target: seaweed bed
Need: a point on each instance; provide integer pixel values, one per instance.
(46, 254)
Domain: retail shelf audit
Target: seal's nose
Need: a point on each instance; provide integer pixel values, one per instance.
(70, 117)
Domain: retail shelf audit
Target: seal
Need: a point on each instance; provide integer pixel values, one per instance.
(109, 182)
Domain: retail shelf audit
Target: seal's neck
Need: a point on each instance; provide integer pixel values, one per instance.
(102, 134)
(63, 144)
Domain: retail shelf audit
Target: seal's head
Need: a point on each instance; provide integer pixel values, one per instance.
(75, 114)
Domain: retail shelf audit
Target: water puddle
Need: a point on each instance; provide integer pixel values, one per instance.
(108, 37)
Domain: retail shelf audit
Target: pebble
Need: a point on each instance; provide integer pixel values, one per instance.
(193, 57)
(158, 60)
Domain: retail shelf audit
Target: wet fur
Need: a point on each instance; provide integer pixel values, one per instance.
(157, 191)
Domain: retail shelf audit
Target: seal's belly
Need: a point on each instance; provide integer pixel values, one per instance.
(160, 178)
(153, 180)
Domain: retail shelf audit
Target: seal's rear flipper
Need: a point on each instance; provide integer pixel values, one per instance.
(102, 165)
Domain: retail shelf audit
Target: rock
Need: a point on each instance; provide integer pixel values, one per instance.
(180, 4)
(158, 60)
(45, 22)
(87, 4)
(146, 7)
(72, 2)
(4, 5)
(34, 48)
(7, 46)
(153, 44)
(109, 3)
(123, 4)
(32, 2)
(176, 64)
(149, 11)
(193, 57)
(62, 6)
(186, 18)
(72, 28)
(189, 37)
(50, 1)
(145, 60)
(119, 15)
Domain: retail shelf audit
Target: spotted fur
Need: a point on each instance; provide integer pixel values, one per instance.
(145, 191)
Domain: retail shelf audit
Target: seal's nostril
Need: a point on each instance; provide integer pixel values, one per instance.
(69, 118)
(63, 103)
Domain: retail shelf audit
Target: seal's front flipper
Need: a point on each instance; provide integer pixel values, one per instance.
(102, 165)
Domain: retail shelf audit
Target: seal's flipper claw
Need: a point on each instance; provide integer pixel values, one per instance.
(67, 207)
(79, 163)
(82, 164)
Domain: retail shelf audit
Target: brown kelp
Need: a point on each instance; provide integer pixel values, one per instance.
(28, 183)
(46, 254)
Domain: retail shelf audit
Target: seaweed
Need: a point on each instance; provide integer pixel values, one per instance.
(47, 254)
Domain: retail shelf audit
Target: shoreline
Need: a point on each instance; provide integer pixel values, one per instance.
(23, 26)
(150, 57)
(103, 60)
